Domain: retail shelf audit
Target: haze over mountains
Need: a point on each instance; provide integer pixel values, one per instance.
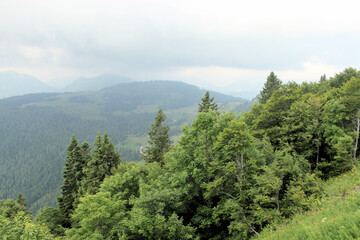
(15, 84)
(96, 83)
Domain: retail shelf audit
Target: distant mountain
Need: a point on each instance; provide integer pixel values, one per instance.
(96, 83)
(36, 129)
(15, 84)
(62, 82)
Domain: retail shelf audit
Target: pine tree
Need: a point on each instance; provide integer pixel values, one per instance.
(207, 103)
(21, 200)
(323, 78)
(271, 85)
(80, 168)
(103, 159)
(69, 188)
(159, 142)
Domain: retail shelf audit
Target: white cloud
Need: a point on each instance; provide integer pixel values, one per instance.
(249, 81)
(210, 43)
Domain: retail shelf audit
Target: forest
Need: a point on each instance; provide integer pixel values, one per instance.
(38, 128)
(229, 176)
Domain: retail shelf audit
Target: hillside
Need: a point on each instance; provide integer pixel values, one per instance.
(333, 216)
(15, 84)
(38, 127)
(228, 176)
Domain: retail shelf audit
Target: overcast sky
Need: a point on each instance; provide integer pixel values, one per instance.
(226, 45)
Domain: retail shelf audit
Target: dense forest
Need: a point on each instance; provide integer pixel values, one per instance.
(228, 177)
(38, 128)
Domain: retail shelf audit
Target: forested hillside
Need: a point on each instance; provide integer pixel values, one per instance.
(36, 129)
(228, 177)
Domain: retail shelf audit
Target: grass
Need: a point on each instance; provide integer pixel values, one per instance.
(335, 216)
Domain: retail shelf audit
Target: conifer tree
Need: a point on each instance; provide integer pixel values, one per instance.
(69, 188)
(21, 200)
(207, 103)
(80, 168)
(103, 159)
(271, 85)
(159, 142)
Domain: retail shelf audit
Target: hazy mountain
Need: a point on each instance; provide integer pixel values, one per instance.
(96, 83)
(38, 127)
(15, 84)
(62, 82)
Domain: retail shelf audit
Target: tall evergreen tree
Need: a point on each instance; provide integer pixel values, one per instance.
(103, 159)
(207, 103)
(271, 85)
(159, 142)
(69, 188)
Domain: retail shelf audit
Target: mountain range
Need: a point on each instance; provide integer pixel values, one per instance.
(16, 84)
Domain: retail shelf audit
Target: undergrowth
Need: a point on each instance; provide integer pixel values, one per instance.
(334, 216)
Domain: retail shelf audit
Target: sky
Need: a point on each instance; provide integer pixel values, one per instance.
(228, 46)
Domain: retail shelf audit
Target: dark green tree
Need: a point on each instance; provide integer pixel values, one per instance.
(21, 200)
(159, 140)
(207, 103)
(271, 85)
(52, 218)
(69, 189)
(341, 78)
(103, 159)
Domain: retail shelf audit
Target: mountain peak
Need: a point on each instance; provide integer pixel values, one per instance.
(14, 84)
(96, 83)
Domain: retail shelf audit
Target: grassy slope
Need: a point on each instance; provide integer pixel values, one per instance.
(334, 216)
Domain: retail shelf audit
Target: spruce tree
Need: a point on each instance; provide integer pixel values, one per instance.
(207, 103)
(159, 142)
(69, 189)
(103, 159)
(21, 200)
(271, 85)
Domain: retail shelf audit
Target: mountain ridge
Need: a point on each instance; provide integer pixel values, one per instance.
(13, 83)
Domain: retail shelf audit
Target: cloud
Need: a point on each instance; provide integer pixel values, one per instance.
(197, 40)
(246, 82)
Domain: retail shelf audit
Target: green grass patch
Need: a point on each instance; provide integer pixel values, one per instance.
(335, 216)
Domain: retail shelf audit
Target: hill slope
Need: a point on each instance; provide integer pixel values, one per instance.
(15, 84)
(38, 127)
(335, 216)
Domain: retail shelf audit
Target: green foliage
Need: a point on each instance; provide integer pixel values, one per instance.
(16, 224)
(53, 219)
(228, 176)
(341, 78)
(103, 159)
(69, 190)
(271, 85)
(159, 140)
(38, 127)
(207, 103)
(333, 216)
